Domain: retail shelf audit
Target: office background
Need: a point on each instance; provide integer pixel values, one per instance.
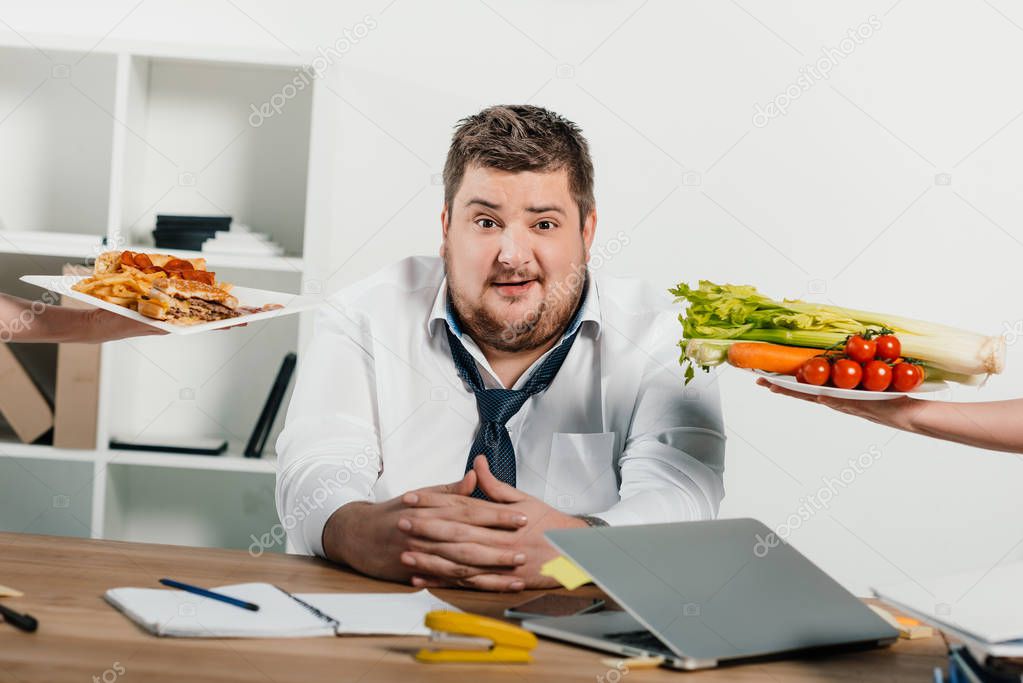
(723, 151)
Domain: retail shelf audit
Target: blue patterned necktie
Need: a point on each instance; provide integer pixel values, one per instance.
(496, 407)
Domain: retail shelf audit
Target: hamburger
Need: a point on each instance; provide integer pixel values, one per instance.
(187, 302)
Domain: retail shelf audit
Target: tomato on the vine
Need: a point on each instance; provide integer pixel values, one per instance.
(860, 349)
(877, 375)
(816, 371)
(889, 347)
(907, 377)
(846, 374)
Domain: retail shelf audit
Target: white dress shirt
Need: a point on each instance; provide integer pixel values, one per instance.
(379, 409)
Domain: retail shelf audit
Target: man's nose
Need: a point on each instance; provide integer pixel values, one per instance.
(515, 248)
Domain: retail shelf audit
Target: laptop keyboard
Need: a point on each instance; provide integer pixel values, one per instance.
(641, 640)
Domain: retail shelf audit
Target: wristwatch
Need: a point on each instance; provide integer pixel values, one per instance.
(592, 521)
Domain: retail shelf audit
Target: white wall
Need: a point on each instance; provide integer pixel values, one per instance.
(840, 199)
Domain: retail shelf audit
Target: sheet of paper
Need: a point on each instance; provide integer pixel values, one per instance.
(399, 614)
(565, 572)
(986, 603)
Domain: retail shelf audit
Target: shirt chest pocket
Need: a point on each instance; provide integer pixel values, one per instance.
(581, 473)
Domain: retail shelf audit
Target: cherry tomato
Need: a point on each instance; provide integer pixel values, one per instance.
(907, 377)
(888, 347)
(877, 375)
(799, 375)
(859, 349)
(846, 374)
(816, 371)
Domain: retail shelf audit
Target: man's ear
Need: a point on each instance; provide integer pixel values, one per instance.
(445, 223)
(589, 231)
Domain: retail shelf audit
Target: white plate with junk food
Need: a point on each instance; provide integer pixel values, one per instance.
(176, 295)
(792, 384)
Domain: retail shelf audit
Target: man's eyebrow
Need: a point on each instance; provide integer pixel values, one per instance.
(545, 209)
(483, 202)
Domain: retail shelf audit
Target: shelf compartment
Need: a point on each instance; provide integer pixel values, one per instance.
(50, 497)
(201, 149)
(188, 507)
(56, 109)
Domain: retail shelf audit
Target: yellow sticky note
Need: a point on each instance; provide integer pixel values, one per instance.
(6, 592)
(565, 572)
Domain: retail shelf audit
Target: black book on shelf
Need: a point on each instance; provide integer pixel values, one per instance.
(187, 232)
(164, 220)
(191, 240)
(264, 424)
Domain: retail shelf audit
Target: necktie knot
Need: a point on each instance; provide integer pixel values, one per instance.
(498, 405)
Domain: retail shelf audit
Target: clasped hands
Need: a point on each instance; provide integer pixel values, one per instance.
(441, 537)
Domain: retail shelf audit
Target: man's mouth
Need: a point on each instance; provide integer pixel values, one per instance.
(512, 288)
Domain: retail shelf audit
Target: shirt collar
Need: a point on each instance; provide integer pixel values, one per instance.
(590, 311)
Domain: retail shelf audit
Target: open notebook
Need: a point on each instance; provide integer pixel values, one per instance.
(281, 615)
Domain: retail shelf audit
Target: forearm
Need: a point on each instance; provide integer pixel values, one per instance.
(995, 425)
(340, 530)
(22, 320)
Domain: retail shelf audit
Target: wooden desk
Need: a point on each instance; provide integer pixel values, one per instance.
(81, 638)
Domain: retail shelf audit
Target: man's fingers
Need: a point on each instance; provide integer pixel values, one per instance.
(441, 567)
(474, 554)
(429, 582)
(468, 510)
(438, 529)
(463, 487)
(498, 583)
(496, 490)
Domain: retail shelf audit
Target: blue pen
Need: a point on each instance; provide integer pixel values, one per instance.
(210, 594)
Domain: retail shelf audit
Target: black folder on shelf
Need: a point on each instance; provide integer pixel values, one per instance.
(264, 424)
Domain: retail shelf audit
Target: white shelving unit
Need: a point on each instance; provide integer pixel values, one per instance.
(98, 139)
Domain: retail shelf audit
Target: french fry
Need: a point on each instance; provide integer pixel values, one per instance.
(120, 301)
(92, 283)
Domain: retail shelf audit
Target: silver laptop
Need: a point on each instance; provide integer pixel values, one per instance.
(707, 593)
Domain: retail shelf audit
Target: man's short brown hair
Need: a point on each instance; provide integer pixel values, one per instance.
(518, 138)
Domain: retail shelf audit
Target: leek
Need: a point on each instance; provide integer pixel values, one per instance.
(719, 314)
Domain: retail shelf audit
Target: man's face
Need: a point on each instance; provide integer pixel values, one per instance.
(515, 256)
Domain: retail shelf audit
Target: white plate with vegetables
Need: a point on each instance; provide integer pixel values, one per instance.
(792, 384)
(828, 350)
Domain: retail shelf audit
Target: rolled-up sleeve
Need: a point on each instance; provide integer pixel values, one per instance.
(672, 463)
(328, 454)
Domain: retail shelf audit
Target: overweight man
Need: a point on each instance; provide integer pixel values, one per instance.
(449, 411)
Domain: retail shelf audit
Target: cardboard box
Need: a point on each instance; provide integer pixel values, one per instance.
(76, 401)
(21, 403)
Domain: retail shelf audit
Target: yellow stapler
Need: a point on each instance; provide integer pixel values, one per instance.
(461, 637)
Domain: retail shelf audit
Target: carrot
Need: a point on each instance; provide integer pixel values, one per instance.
(778, 358)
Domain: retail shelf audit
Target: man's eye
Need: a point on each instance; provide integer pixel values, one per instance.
(545, 225)
(486, 223)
